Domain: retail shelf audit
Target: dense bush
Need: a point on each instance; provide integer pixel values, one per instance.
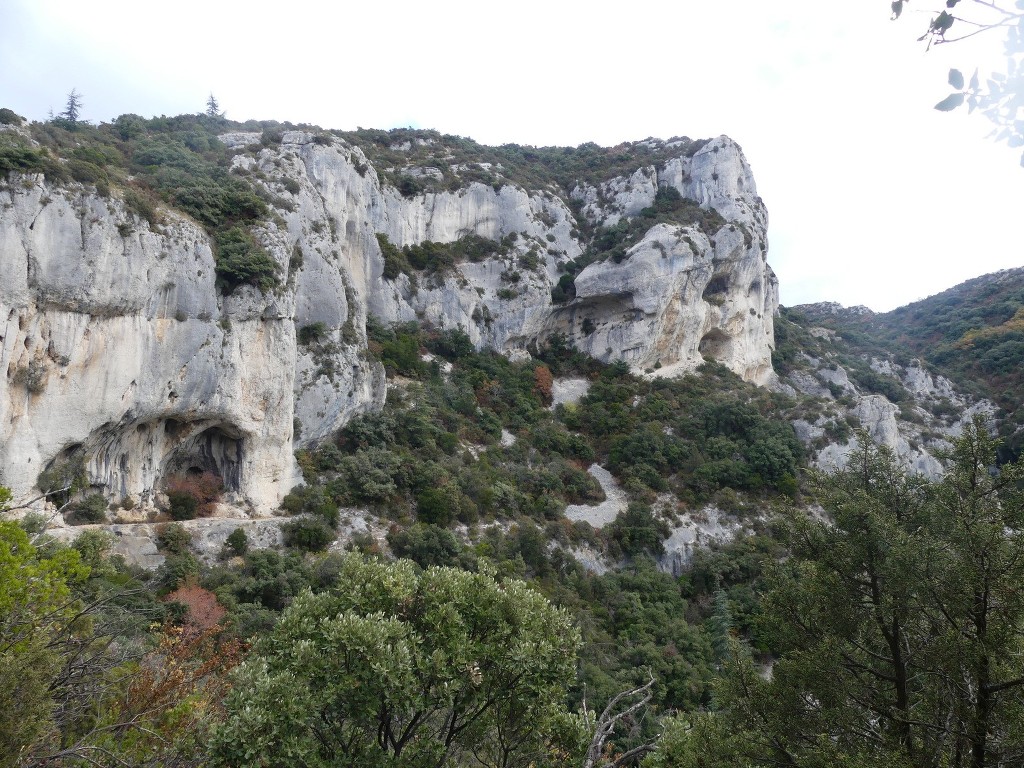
(237, 543)
(91, 509)
(438, 258)
(241, 261)
(174, 538)
(193, 495)
(307, 533)
(696, 434)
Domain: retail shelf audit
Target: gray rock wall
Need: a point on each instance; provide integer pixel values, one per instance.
(117, 346)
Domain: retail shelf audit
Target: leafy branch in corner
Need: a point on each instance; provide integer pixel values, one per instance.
(1000, 96)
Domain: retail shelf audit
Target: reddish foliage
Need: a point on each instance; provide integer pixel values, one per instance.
(204, 612)
(543, 382)
(189, 665)
(206, 489)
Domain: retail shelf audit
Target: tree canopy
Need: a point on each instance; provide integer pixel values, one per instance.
(396, 667)
(898, 626)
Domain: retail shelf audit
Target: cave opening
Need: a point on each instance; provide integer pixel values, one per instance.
(716, 289)
(714, 345)
(218, 449)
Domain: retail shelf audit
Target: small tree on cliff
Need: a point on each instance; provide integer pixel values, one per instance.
(213, 107)
(72, 110)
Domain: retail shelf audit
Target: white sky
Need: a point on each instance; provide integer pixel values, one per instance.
(874, 197)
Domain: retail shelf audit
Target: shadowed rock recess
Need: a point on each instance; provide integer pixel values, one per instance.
(119, 351)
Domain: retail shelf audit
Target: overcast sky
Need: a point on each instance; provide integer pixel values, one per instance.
(874, 198)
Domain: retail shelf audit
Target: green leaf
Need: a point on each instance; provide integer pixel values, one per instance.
(941, 23)
(951, 102)
(956, 78)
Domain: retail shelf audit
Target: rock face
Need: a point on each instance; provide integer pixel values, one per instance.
(118, 349)
(917, 430)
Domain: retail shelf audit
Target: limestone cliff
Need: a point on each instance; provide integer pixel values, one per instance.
(119, 349)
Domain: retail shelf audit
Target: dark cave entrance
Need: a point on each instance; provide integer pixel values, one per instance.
(217, 449)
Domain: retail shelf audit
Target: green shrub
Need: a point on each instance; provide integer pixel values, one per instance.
(64, 477)
(175, 570)
(16, 157)
(174, 538)
(307, 533)
(91, 509)
(427, 545)
(183, 505)
(241, 261)
(142, 206)
(638, 531)
(193, 496)
(87, 173)
(237, 543)
(438, 505)
(9, 117)
(312, 333)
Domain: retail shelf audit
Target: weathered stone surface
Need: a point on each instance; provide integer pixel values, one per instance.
(115, 341)
(117, 344)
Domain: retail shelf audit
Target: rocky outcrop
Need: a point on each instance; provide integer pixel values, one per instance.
(119, 350)
(682, 296)
(917, 429)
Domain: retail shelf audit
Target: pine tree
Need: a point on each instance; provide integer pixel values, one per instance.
(72, 109)
(213, 107)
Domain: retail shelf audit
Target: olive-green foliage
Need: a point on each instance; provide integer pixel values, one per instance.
(409, 459)
(237, 542)
(634, 620)
(637, 531)
(175, 571)
(428, 545)
(35, 601)
(313, 500)
(177, 161)
(535, 168)
(438, 258)
(183, 505)
(174, 538)
(737, 568)
(91, 509)
(9, 117)
(397, 347)
(18, 157)
(70, 617)
(312, 333)
(265, 585)
(896, 625)
(64, 477)
(404, 669)
(241, 261)
(696, 434)
(308, 533)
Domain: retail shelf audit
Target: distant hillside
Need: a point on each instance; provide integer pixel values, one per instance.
(972, 333)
